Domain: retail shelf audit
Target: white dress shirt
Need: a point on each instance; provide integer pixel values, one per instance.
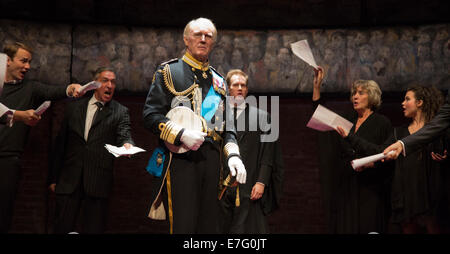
(91, 109)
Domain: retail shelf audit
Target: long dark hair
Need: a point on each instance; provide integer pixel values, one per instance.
(432, 100)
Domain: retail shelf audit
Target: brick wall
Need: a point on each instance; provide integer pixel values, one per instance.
(301, 206)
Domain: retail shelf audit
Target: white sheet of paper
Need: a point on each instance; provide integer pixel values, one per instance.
(302, 50)
(324, 119)
(4, 109)
(3, 61)
(122, 151)
(41, 109)
(90, 86)
(369, 159)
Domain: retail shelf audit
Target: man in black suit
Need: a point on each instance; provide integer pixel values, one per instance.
(244, 207)
(83, 169)
(428, 133)
(22, 95)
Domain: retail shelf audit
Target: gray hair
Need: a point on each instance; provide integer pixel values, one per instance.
(100, 70)
(372, 89)
(187, 28)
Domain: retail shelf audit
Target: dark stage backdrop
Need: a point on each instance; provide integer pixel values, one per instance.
(395, 57)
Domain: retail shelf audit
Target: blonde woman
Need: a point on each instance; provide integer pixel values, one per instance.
(360, 201)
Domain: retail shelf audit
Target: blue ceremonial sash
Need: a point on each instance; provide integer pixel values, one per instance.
(212, 99)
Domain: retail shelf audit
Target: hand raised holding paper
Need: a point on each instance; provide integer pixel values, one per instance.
(73, 90)
(318, 78)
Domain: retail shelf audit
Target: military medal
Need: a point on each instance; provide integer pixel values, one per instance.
(204, 75)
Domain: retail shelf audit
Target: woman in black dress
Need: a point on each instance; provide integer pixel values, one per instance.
(358, 201)
(417, 187)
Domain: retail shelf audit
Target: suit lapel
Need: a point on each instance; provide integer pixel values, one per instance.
(245, 114)
(80, 117)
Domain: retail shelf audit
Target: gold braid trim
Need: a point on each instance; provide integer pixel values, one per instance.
(169, 131)
(227, 183)
(168, 82)
(169, 194)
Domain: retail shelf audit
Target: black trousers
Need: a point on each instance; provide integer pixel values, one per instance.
(194, 186)
(68, 207)
(233, 219)
(9, 182)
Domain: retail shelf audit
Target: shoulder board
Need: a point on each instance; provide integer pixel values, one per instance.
(170, 61)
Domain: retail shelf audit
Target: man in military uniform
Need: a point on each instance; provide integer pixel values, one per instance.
(189, 181)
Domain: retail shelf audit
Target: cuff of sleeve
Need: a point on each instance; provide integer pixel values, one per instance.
(264, 174)
(10, 118)
(170, 132)
(178, 138)
(231, 148)
(67, 91)
(403, 146)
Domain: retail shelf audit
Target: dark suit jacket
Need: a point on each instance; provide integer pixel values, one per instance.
(429, 132)
(262, 160)
(76, 159)
(23, 96)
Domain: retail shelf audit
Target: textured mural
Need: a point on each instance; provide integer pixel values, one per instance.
(52, 48)
(395, 57)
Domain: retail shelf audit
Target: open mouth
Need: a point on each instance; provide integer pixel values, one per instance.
(22, 74)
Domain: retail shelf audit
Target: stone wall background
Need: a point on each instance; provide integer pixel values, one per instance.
(395, 57)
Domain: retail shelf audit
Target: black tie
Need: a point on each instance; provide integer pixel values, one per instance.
(99, 108)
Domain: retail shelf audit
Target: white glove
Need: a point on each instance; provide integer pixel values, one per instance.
(235, 164)
(193, 139)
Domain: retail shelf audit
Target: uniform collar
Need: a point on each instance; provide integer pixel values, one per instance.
(191, 61)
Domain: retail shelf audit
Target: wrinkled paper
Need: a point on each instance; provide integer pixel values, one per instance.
(302, 50)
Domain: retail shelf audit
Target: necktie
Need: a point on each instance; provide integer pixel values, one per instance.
(99, 108)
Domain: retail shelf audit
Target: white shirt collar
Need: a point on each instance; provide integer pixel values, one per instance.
(93, 100)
